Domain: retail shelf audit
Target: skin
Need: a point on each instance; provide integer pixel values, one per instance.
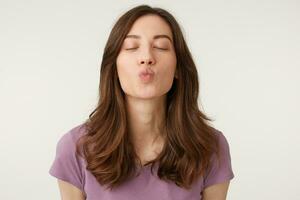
(216, 191)
(69, 191)
(145, 102)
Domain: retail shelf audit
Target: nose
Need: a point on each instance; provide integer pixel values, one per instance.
(146, 61)
(146, 58)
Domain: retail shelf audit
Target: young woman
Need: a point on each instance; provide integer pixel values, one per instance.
(147, 138)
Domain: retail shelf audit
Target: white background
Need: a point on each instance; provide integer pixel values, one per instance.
(248, 58)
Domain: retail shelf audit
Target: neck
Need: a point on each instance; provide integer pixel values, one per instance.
(146, 120)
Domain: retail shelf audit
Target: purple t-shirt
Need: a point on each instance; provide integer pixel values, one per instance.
(71, 168)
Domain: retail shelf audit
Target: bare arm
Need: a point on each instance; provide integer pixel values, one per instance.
(69, 191)
(216, 191)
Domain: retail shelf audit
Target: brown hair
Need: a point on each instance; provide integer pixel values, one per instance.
(189, 141)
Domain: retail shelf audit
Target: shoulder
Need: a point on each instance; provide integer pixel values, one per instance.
(220, 168)
(222, 140)
(69, 138)
(223, 148)
(67, 165)
(66, 145)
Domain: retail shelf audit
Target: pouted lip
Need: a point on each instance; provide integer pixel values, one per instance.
(146, 71)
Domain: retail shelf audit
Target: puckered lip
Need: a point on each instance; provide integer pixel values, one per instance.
(146, 71)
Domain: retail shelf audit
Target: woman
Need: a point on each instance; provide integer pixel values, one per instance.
(147, 138)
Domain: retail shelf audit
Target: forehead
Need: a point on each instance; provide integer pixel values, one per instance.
(150, 26)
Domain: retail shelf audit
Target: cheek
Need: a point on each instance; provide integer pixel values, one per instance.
(125, 70)
(124, 67)
(169, 67)
(166, 77)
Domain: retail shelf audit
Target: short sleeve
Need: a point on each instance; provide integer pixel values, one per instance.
(67, 166)
(223, 172)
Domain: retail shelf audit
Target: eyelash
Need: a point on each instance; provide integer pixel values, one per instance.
(154, 47)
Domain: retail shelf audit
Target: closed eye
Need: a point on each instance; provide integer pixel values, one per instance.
(161, 48)
(131, 48)
(154, 47)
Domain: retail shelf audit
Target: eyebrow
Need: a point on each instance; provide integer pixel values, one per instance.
(154, 37)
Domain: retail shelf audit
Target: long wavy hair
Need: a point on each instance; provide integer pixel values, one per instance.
(190, 141)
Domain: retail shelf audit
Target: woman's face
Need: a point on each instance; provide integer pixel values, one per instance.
(147, 47)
